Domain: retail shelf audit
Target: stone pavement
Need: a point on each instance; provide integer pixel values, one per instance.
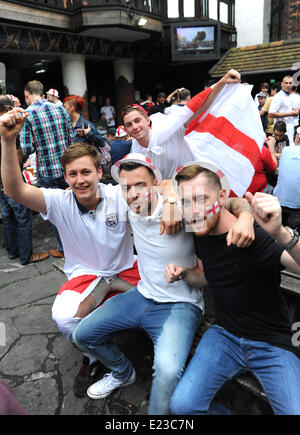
(36, 361)
(39, 364)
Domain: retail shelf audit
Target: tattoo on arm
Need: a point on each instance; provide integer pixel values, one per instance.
(237, 206)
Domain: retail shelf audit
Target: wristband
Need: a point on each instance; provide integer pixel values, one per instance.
(295, 237)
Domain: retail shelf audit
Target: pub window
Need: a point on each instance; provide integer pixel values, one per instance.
(224, 12)
(188, 8)
(213, 9)
(173, 8)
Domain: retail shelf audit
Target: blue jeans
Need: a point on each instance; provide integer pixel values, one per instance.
(17, 228)
(171, 327)
(221, 356)
(54, 183)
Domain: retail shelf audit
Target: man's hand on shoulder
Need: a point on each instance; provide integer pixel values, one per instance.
(242, 232)
(171, 219)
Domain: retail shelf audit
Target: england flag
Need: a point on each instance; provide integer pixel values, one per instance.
(230, 134)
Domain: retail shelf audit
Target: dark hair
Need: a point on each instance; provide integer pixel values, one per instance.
(34, 87)
(131, 166)
(130, 108)
(4, 103)
(184, 94)
(264, 85)
(275, 86)
(280, 126)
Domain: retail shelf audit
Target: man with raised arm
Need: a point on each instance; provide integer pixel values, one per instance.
(252, 330)
(161, 137)
(92, 220)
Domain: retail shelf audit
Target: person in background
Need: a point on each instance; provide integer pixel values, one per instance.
(287, 189)
(281, 137)
(161, 103)
(281, 108)
(263, 87)
(147, 104)
(264, 111)
(183, 96)
(93, 110)
(84, 130)
(53, 97)
(109, 113)
(120, 144)
(261, 101)
(267, 164)
(16, 218)
(48, 139)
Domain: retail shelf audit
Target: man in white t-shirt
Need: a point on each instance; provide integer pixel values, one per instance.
(161, 137)
(295, 99)
(281, 108)
(169, 314)
(109, 113)
(92, 221)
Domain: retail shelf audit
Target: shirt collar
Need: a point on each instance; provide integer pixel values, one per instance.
(84, 210)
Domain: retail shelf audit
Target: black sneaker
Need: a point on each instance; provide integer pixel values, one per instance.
(88, 374)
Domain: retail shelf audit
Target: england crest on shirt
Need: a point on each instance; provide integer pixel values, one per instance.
(111, 220)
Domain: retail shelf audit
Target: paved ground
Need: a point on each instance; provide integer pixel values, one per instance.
(39, 364)
(35, 359)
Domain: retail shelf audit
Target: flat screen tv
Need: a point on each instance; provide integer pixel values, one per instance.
(195, 41)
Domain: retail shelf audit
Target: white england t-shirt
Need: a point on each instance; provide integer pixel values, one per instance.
(155, 252)
(283, 104)
(167, 148)
(95, 243)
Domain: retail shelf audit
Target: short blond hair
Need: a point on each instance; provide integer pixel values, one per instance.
(192, 171)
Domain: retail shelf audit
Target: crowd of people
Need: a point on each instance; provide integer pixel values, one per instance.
(188, 234)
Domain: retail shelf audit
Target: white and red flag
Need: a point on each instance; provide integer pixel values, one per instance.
(230, 134)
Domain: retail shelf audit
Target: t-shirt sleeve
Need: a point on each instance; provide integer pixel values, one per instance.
(275, 105)
(267, 105)
(267, 251)
(53, 199)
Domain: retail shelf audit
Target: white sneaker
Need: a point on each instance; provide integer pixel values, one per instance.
(107, 385)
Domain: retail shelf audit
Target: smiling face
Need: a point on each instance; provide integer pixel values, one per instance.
(201, 203)
(83, 177)
(137, 126)
(137, 188)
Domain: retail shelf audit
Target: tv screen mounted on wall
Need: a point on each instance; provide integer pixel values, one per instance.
(195, 41)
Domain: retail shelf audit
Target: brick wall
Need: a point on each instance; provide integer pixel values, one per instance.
(291, 19)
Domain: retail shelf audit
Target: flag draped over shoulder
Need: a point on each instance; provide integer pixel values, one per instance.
(231, 135)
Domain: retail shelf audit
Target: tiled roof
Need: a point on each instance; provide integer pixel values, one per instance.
(275, 56)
